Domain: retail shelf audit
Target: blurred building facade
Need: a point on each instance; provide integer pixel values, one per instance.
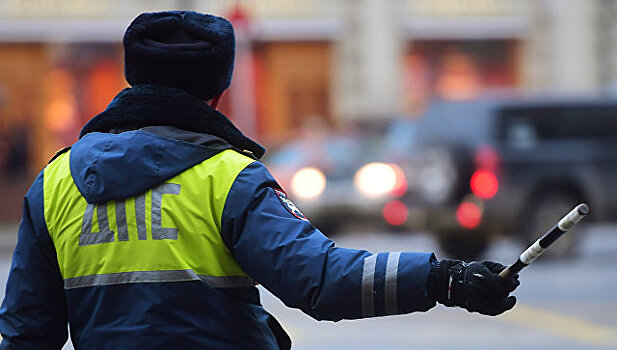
(61, 61)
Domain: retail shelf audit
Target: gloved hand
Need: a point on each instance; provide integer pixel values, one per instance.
(476, 286)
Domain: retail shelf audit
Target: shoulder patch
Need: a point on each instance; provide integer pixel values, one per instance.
(289, 205)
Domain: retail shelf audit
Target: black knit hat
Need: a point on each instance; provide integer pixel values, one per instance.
(185, 50)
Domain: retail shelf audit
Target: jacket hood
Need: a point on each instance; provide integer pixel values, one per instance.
(109, 166)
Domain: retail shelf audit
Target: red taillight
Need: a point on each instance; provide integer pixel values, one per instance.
(468, 215)
(395, 213)
(484, 184)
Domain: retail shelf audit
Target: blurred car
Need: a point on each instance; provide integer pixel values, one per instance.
(355, 176)
(492, 167)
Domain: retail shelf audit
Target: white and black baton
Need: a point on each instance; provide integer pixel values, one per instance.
(536, 249)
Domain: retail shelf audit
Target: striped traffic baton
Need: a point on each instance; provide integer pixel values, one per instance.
(536, 249)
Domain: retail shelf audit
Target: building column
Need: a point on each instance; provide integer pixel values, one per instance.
(368, 61)
(562, 50)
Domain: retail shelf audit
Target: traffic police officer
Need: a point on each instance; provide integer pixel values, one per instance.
(152, 230)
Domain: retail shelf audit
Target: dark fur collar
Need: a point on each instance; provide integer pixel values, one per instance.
(149, 105)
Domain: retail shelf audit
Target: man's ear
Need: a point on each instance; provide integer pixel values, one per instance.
(214, 101)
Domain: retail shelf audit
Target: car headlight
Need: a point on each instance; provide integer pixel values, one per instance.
(377, 179)
(437, 176)
(308, 183)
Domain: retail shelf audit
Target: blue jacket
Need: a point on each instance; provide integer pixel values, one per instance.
(268, 237)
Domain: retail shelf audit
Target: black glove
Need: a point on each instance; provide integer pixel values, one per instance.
(476, 286)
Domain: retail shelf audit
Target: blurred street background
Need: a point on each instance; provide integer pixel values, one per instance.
(464, 127)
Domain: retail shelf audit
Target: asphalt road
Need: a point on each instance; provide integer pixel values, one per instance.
(561, 304)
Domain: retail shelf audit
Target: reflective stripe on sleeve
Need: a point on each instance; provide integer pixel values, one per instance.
(391, 280)
(368, 290)
(157, 276)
